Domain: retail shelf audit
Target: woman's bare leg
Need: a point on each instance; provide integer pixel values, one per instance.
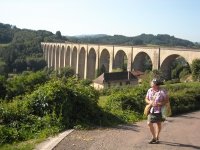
(151, 127)
(158, 130)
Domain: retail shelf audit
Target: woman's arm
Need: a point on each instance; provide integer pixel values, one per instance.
(147, 100)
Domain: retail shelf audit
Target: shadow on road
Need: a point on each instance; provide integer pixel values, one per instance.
(128, 127)
(179, 145)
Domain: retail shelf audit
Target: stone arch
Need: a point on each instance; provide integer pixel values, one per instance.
(62, 57)
(67, 57)
(91, 63)
(81, 62)
(104, 60)
(166, 66)
(120, 60)
(74, 59)
(142, 62)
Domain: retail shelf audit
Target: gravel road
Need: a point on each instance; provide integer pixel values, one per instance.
(178, 133)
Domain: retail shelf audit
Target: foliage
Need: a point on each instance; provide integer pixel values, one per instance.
(65, 72)
(8, 55)
(132, 99)
(86, 82)
(196, 69)
(184, 73)
(101, 70)
(143, 39)
(35, 64)
(180, 68)
(184, 97)
(25, 145)
(61, 103)
(6, 33)
(23, 50)
(26, 82)
(19, 65)
(53, 106)
(56, 95)
(2, 87)
(3, 68)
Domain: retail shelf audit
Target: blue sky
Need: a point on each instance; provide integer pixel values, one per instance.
(179, 18)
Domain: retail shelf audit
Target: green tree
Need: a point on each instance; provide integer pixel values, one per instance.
(8, 55)
(2, 87)
(179, 68)
(19, 65)
(3, 68)
(25, 83)
(6, 33)
(66, 72)
(35, 64)
(147, 63)
(58, 35)
(196, 69)
(101, 70)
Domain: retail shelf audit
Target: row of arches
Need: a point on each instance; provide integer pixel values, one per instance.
(86, 61)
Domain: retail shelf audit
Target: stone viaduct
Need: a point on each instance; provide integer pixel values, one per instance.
(85, 59)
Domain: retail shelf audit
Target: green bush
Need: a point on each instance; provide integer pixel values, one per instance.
(52, 107)
(26, 82)
(132, 99)
(13, 111)
(184, 97)
(73, 101)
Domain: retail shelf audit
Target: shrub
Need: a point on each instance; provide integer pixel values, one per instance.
(23, 83)
(51, 108)
(131, 100)
(76, 103)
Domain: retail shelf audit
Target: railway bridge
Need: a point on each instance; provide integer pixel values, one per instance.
(86, 59)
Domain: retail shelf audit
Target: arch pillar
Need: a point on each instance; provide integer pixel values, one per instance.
(49, 56)
(65, 51)
(52, 58)
(111, 59)
(57, 57)
(70, 61)
(77, 58)
(59, 63)
(97, 60)
(45, 50)
(85, 67)
(156, 59)
(129, 62)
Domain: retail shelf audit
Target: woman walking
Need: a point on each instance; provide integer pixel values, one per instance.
(156, 97)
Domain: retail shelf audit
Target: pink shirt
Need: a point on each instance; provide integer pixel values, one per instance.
(156, 96)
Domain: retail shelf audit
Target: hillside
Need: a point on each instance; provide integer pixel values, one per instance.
(12, 34)
(143, 39)
(20, 49)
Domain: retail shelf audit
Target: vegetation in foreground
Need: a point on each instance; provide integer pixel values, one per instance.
(61, 101)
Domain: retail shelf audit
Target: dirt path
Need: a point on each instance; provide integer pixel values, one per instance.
(178, 133)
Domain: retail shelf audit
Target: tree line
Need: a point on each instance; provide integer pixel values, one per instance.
(143, 39)
(20, 49)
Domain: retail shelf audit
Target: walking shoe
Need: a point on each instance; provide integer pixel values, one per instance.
(152, 141)
(157, 141)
